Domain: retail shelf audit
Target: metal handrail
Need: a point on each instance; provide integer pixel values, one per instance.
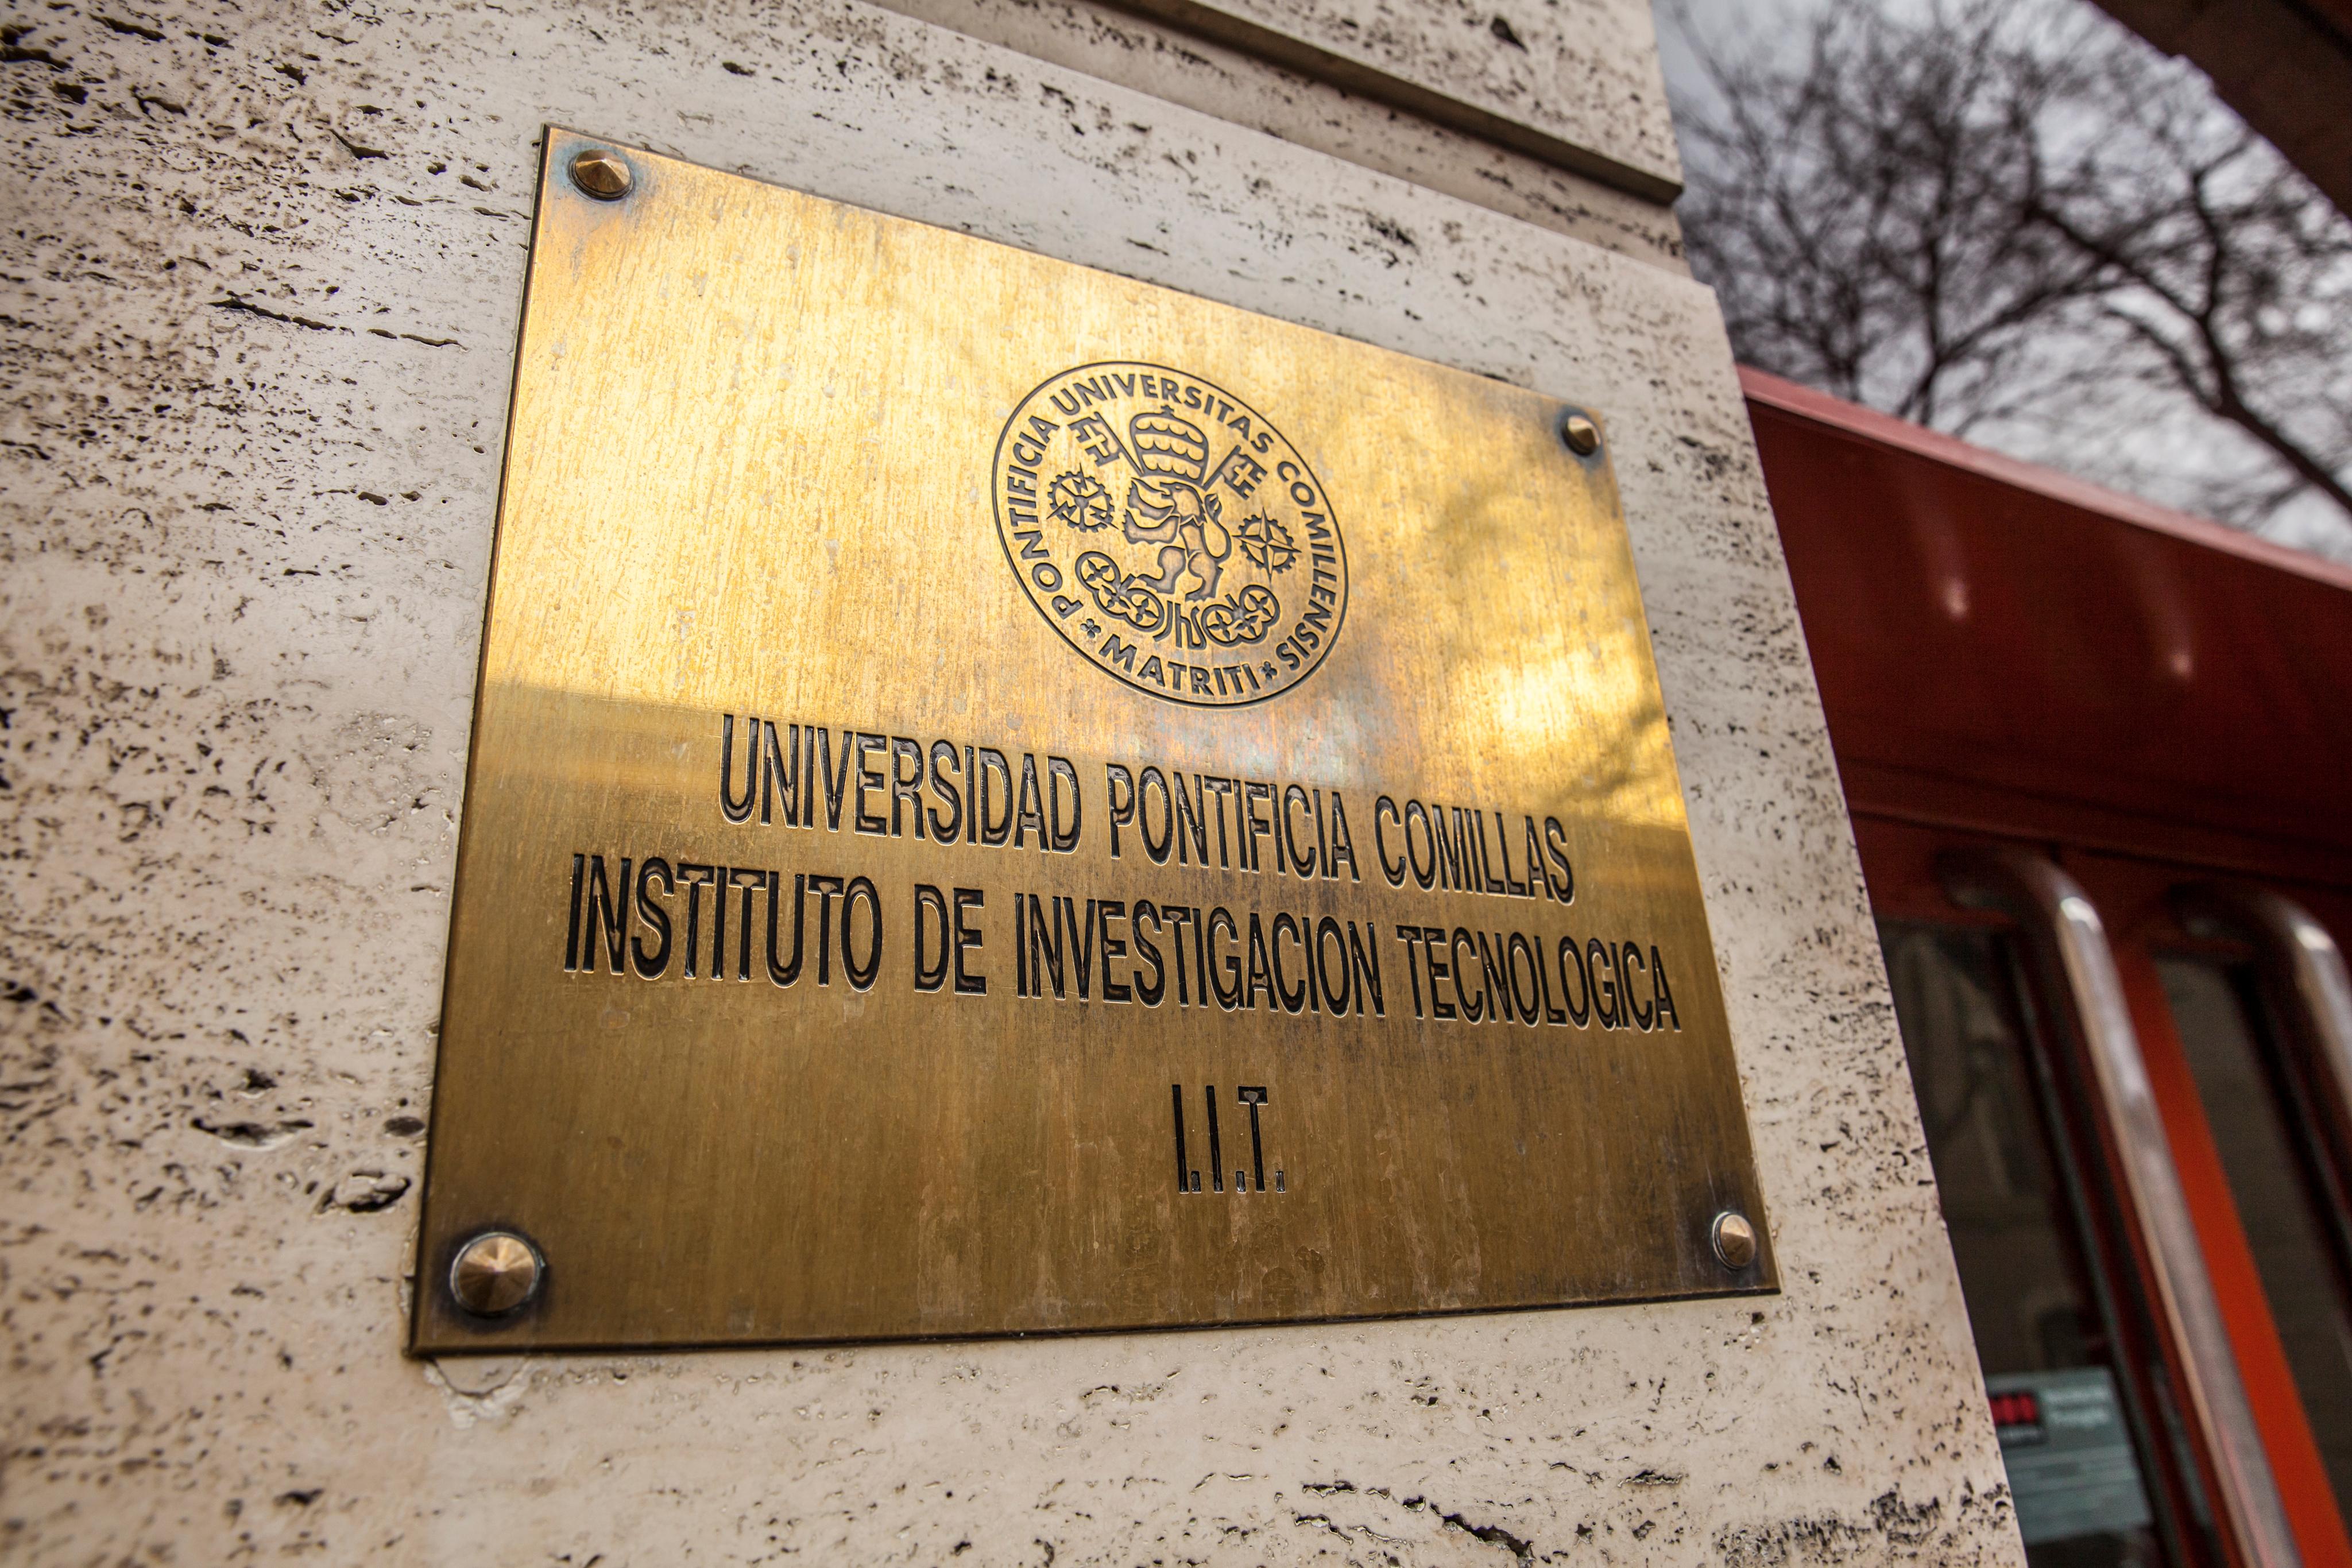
(2053, 905)
(2303, 957)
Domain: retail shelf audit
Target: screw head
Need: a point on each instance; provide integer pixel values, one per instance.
(601, 173)
(494, 1273)
(1580, 433)
(1734, 1239)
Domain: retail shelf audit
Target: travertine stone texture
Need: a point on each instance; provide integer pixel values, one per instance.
(1582, 71)
(261, 267)
(1231, 84)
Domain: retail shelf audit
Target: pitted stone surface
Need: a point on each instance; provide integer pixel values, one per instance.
(262, 265)
(1152, 57)
(1583, 71)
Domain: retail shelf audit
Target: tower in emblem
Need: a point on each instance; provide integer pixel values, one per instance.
(1167, 505)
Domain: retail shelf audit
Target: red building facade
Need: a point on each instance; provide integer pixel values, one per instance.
(2099, 767)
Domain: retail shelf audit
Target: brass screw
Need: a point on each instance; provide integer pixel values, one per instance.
(1582, 437)
(1734, 1239)
(602, 174)
(495, 1273)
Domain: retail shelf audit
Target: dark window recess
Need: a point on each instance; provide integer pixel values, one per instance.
(2055, 1338)
(2278, 1185)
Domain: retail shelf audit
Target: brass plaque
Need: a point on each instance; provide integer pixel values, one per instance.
(1006, 799)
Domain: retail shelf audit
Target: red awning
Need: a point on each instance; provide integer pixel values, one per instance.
(2005, 649)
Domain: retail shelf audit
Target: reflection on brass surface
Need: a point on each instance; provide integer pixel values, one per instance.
(1007, 799)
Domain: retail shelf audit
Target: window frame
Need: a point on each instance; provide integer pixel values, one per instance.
(1905, 862)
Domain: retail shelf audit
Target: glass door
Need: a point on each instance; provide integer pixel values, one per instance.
(2096, 1466)
(2287, 1197)
(2135, 1088)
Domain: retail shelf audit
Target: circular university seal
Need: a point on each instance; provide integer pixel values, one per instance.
(1169, 533)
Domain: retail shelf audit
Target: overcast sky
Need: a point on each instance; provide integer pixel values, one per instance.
(2110, 444)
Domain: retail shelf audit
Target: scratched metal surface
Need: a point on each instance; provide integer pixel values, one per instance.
(771, 460)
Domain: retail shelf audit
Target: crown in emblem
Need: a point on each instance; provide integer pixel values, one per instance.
(1165, 443)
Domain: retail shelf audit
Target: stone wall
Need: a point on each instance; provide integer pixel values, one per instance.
(262, 265)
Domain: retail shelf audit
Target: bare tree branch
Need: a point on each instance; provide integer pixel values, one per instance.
(1999, 218)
